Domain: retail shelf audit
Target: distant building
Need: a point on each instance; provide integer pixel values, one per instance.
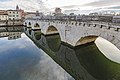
(34, 15)
(58, 11)
(37, 13)
(107, 13)
(116, 19)
(22, 14)
(71, 11)
(14, 14)
(3, 15)
(30, 15)
(94, 14)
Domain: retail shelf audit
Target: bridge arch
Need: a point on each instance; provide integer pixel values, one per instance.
(25, 23)
(86, 39)
(88, 36)
(36, 26)
(25, 28)
(29, 23)
(92, 35)
(52, 30)
(74, 35)
(53, 42)
(30, 31)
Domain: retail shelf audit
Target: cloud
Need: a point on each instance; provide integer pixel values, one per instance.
(42, 71)
(70, 6)
(98, 3)
(27, 5)
(103, 3)
(50, 5)
(3, 0)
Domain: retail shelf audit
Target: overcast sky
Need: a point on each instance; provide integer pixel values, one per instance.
(47, 5)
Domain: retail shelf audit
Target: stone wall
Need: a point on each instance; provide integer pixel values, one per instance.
(77, 33)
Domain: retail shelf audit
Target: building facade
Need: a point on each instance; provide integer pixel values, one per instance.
(14, 14)
(58, 11)
(3, 15)
(116, 19)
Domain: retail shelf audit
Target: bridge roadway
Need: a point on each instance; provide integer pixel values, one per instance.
(75, 32)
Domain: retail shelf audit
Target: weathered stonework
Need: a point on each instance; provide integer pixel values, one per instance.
(76, 33)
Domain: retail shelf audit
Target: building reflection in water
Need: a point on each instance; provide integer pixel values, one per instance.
(11, 32)
(84, 62)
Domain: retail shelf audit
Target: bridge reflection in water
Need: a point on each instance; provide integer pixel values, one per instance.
(84, 62)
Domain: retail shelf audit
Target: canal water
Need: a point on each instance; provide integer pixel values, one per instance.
(28, 55)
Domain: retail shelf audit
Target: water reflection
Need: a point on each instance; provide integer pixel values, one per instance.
(85, 62)
(111, 51)
(37, 35)
(54, 42)
(21, 59)
(11, 32)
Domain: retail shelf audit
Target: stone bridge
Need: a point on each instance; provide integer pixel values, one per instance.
(73, 60)
(76, 33)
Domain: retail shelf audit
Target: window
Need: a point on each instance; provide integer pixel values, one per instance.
(17, 15)
(13, 12)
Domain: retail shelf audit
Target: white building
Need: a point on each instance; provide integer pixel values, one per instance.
(58, 11)
(3, 15)
(14, 14)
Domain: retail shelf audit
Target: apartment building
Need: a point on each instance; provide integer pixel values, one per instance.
(14, 14)
(3, 15)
